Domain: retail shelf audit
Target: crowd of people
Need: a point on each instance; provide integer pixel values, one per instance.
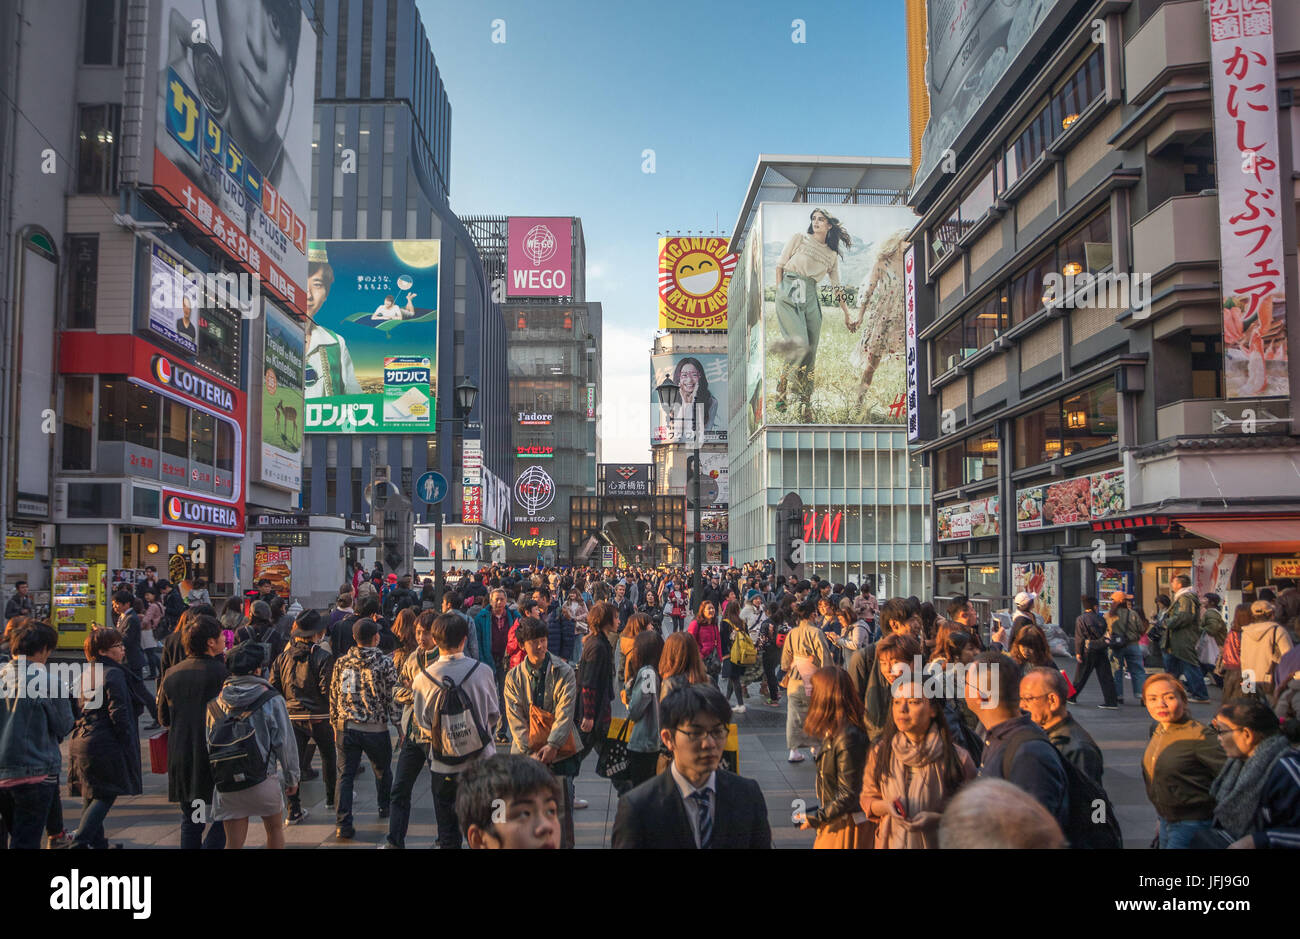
(926, 730)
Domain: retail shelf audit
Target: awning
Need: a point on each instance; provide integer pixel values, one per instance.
(359, 542)
(1248, 536)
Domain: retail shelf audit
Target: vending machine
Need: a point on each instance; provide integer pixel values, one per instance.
(79, 598)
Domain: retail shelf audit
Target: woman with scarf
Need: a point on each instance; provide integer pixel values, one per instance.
(105, 744)
(835, 718)
(804, 651)
(912, 771)
(898, 649)
(1256, 794)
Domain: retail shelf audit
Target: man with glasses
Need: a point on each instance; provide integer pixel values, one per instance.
(694, 804)
(1044, 695)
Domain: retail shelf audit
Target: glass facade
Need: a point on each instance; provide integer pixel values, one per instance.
(866, 505)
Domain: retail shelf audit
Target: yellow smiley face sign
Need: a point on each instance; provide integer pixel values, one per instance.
(693, 278)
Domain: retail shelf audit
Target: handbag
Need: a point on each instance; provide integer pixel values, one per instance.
(540, 724)
(615, 763)
(158, 754)
(1207, 650)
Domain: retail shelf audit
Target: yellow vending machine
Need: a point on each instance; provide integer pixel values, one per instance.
(79, 599)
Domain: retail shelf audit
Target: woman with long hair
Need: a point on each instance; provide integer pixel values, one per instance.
(232, 619)
(770, 634)
(914, 769)
(693, 385)
(1030, 649)
(806, 259)
(704, 628)
(804, 651)
(636, 624)
(105, 743)
(835, 719)
(404, 630)
(674, 605)
(680, 664)
(642, 691)
(734, 672)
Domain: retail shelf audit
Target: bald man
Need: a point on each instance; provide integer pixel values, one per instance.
(1043, 693)
(993, 813)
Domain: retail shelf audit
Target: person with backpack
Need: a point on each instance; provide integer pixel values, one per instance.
(183, 696)
(992, 690)
(362, 704)
(1182, 632)
(454, 708)
(261, 628)
(1263, 643)
(1043, 694)
(251, 749)
(1124, 631)
(412, 749)
(738, 654)
(173, 604)
(302, 674)
(340, 634)
(1091, 650)
(767, 633)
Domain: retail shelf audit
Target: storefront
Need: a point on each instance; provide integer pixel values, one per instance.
(152, 462)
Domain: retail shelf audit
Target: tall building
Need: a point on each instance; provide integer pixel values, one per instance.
(553, 339)
(817, 380)
(381, 171)
(154, 226)
(1106, 384)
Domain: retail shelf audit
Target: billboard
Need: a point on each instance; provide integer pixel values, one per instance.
(1042, 578)
(276, 565)
(746, 305)
(693, 278)
(232, 147)
(1255, 358)
(1071, 501)
(703, 407)
(471, 479)
(496, 501)
(372, 350)
(971, 47)
(625, 479)
(282, 401)
(180, 310)
(535, 495)
(833, 313)
(978, 519)
(539, 257)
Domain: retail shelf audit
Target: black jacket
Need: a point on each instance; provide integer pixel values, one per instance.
(1036, 765)
(1089, 625)
(173, 653)
(1076, 745)
(302, 674)
(174, 607)
(840, 764)
(129, 625)
(653, 815)
(595, 680)
(183, 697)
(104, 747)
(264, 631)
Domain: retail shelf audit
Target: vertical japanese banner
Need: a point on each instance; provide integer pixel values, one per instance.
(1212, 570)
(909, 299)
(1246, 142)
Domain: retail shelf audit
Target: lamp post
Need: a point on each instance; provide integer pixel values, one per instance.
(464, 398)
(670, 396)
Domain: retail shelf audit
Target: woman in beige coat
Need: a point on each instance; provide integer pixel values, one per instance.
(912, 772)
(805, 651)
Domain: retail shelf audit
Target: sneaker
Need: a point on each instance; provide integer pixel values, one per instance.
(738, 709)
(389, 846)
(795, 757)
(345, 834)
(383, 813)
(295, 816)
(1200, 700)
(580, 804)
(1108, 707)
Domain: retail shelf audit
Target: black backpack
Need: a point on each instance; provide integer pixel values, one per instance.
(237, 760)
(1081, 831)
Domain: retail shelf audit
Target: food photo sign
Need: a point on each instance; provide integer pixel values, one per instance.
(1071, 501)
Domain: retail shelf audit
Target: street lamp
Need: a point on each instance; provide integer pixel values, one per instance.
(670, 396)
(464, 396)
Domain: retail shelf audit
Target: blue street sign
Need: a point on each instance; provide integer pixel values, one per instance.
(431, 487)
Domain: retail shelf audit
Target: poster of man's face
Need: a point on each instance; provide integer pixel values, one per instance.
(261, 46)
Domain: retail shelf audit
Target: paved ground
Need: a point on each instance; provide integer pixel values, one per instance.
(149, 820)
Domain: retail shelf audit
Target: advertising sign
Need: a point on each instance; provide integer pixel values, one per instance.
(625, 479)
(702, 379)
(282, 401)
(188, 513)
(972, 45)
(591, 401)
(534, 451)
(276, 565)
(1246, 135)
(20, 546)
(1279, 568)
(713, 525)
(182, 310)
(833, 313)
(471, 500)
(978, 519)
(496, 502)
(1071, 501)
(693, 278)
(1042, 578)
(372, 337)
(913, 383)
(234, 131)
(539, 257)
(715, 468)
(534, 493)
(1212, 570)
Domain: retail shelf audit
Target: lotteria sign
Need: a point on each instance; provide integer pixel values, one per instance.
(191, 514)
(193, 384)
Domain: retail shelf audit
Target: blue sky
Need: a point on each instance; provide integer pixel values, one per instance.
(554, 121)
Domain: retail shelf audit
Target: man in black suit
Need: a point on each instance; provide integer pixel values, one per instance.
(693, 803)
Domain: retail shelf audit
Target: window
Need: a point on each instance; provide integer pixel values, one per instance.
(94, 500)
(1038, 436)
(946, 235)
(1027, 295)
(203, 437)
(175, 429)
(949, 349)
(102, 32)
(1090, 419)
(145, 502)
(97, 149)
(83, 280)
(225, 447)
(981, 457)
(984, 323)
(1087, 249)
(1207, 367)
(976, 203)
(128, 413)
(78, 421)
(1080, 90)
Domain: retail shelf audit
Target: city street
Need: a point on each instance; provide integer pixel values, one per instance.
(150, 821)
